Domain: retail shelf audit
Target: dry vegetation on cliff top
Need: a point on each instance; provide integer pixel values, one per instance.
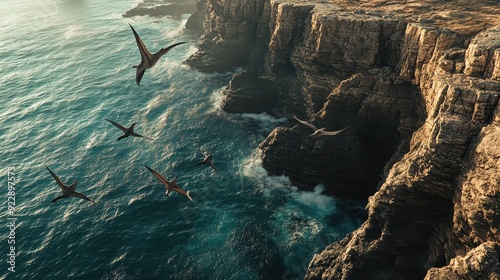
(461, 16)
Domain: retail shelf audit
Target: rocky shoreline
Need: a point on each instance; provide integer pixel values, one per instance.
(420, 97)
(161, 8)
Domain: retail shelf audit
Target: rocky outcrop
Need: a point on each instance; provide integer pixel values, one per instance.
(479, 263)
(431, 211)
(337, 44)
(196, 21)
(473, 250)
(155, 9)
(230, 35)
(249, 93)
(380, 111)
(421, 103)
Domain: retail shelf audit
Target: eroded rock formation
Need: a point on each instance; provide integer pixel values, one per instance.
(249, 93)
(162, 8)
(381, 111)
(420, 98)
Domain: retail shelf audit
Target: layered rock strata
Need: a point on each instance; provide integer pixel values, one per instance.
(230, 35)
(431, 209)
(420, 101)
(249, 93)
(380, 110)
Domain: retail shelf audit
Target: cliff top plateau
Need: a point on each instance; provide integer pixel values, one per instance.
(461, 16)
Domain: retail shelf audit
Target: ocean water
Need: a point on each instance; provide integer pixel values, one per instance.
(67, 65)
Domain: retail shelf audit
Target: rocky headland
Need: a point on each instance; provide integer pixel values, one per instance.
(160, 8)
(417, 83)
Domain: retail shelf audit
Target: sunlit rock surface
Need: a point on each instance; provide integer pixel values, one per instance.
(417, 83)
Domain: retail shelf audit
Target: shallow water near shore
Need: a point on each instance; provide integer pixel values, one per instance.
(67, 65)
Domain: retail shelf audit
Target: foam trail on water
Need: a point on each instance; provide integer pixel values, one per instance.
(216, 99)
(316, 200)
(175, 32)
(263, 121)
(298, 217)
(75, 31)
(268, 184)
(264, 117)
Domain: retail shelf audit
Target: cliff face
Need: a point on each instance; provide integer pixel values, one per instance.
(381, 112)
(230, 34)
(421, 103)
(437, 207)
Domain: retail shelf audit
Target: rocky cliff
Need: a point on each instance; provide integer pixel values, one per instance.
(418, 86)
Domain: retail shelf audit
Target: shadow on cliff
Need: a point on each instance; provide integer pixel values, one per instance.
(381, 113)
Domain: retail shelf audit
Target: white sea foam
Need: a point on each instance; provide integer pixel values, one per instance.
(154, 103)
(119, 258)
(315, 199)
(75, 31)
(300, 217)
(253, 169)
(109, 215)
(189, 51)
(135, 198)
(264, 117)
(174, 32)
(264, 121)
(96, 137)
(166, 68)
(216, 99)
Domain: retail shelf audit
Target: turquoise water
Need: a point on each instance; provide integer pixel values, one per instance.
(67, 65)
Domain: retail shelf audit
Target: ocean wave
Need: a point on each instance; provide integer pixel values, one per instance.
(191, 49)
(303, 208)
(172, 33)
(216, 98)
(253, 169)
(268, 185)
(264, 117)
(316, 200)
(265, 122)
(58, 97)
(76, 31)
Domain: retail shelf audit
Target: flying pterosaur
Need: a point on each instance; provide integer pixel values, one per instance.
(207, 160)
(67, 191)
(127, 131)
(319, 131)
(148, 59)
(170, 186)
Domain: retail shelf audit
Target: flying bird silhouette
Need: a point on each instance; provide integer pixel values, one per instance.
(67, 190)
(148, 59)
(207, 160)
(127, 131)
(170, 186)
(319, 131)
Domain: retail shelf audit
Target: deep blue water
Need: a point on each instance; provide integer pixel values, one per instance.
(67, 65)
